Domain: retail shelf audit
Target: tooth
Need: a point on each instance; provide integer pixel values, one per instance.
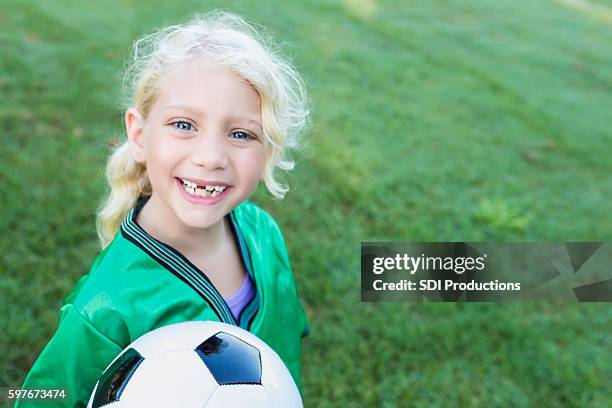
(215, 193)
(219, 188)
(210, 188)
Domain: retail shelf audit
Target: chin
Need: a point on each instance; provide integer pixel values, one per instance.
(200, 222)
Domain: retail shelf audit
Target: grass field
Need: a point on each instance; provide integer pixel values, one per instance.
(433, 121)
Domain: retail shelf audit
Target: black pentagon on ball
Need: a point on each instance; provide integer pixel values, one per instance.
(230, 360)
(114, 379)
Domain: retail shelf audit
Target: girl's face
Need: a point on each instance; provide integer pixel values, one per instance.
(203, 133)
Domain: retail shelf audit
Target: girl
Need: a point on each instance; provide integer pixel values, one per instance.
(213, 111)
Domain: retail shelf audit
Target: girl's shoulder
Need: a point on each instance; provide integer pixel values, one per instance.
(111, 296)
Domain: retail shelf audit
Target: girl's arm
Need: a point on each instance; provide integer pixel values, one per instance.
(74, 358)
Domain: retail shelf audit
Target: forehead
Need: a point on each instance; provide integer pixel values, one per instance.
(213, 90)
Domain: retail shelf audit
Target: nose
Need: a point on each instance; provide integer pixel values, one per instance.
(210, 151)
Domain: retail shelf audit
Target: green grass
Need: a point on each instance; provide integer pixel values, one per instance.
(433, 121)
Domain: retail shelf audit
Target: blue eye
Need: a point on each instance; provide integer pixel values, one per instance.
(182, 125)
(242, 135)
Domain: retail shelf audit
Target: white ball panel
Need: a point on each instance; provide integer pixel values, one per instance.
(278, 380)
(242, 396)
(187, 383)
(179, 336)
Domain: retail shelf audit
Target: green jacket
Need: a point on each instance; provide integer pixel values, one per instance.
(138, 284)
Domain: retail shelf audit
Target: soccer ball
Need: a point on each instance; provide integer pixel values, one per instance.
(196, 364)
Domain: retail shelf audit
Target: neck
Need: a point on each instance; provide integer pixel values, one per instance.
(162, 224)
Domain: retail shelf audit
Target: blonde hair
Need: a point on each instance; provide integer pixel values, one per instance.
(221, 39)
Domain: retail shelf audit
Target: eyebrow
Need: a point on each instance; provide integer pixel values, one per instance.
(201, 114)
(186, 108)
(248, 120)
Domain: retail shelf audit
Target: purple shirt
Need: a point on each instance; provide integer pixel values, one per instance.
(242, 297)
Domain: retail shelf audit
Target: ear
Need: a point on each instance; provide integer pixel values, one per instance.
(134, 125)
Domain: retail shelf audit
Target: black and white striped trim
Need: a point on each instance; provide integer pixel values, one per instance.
(248, 312)
(182, 268)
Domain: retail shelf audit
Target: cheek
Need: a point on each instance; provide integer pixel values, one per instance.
(252, 165)
(162, 156)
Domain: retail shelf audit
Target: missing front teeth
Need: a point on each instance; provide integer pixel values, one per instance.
(207, 191)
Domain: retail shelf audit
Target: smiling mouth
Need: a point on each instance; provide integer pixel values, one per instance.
(202, 191)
